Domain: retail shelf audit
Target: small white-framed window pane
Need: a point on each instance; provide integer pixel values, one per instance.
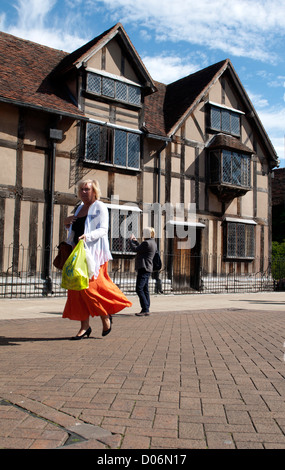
(227, 166)
(225, 120)
(121, 91)
(92, 143)
(133, 150)
(245, 171)
(120, 148)
(108, 87)
(236, 169)
(215, 119)
(94, 83)
(134, 95)
(247, 162)
(231, 240)
(250, 241)
(235, 124)
(122, 225)
(241, 229)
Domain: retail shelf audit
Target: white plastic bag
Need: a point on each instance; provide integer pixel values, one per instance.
(90, 262)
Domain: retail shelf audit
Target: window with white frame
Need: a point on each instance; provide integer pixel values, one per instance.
(240, 240)
(224, 120)
(230, 167)
(112, 88)
(123, 222)
(112, 146)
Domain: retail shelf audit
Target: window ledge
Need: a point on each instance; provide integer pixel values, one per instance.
(228, 192)
(107, 99)
(107, 166)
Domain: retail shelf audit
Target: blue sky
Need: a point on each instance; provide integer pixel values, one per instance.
(175, 38)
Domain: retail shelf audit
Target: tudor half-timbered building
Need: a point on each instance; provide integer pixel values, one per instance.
(157, 150)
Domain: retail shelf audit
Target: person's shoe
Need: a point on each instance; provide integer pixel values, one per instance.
(87, 333)
(106, 332)
(142, 314)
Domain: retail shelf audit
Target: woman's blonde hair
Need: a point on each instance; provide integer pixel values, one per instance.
(94, 184)
(148, 232)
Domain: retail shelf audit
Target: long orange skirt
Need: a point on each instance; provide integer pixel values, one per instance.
(101, 298)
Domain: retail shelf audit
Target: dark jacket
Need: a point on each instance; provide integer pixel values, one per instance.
(145, 253)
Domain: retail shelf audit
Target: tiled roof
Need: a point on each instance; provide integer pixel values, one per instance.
(154, 111)
(228, 142)
(33, 75)
(76, 58)
(70, 60)
(26, 75)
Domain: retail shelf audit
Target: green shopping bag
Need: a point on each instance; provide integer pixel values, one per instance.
(75, 270)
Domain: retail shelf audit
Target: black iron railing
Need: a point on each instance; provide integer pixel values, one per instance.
(22, 274)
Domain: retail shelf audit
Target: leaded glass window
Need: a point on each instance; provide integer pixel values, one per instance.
(108, 87)
(120, 153)
(113, 88)
(94, 83)
(134, 95)
(112, 146)
(93, 143)
(122, 224)
(133, 150)
(240, 240)
(224, 120)
(215, 119)
(121, 91)
(227, 166)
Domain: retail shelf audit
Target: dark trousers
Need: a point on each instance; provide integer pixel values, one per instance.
(142, 289)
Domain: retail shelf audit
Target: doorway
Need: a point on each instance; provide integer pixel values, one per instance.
(186, 264)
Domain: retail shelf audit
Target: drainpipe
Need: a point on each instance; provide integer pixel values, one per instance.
(159, 185)
(166, 142)
(55, 136)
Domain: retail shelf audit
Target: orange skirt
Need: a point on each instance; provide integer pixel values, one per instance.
(101, 298)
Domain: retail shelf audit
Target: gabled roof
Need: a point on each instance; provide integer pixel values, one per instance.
(25, 77)
(79, 57)
(182, 95)
(179, 99)
(32, 75)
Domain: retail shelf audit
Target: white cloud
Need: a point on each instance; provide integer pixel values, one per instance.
(32, 13)
(258, 101)
(168, 69)
(252, 29)
(273, 119)
(38, 21)
(245, 28)
(242, 28)
(2, 20)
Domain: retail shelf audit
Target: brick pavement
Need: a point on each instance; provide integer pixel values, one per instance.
(212, 379)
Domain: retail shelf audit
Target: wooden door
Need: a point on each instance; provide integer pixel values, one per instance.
(186, 264)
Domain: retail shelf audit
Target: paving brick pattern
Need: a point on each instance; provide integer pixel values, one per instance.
(210, 379)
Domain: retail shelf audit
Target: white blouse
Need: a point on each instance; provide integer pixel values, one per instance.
(96, 233)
